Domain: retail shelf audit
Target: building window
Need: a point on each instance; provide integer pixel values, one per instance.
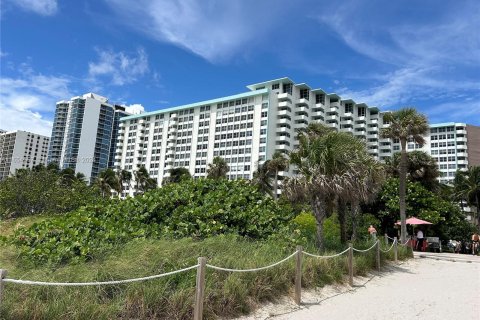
(304, 94)
(275, 86)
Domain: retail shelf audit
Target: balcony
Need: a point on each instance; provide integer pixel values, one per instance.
(332, 125)
(372, 136)
(346, 121)
(301, 118)
(284, 120)
(302, 101)
(284, 112)
(301, 125)
(282, 147)
(348, 129)
(284, 104)
(283, 129)
(284, 96)
(374, 120)
(283, 138)
(318, 114)
(359, 125)
(301, 109)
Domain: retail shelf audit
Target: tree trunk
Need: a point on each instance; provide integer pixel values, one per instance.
(342, 207)
(319, 210)
(403, 190)
(478, 210)
(275, 185)
(355, 213)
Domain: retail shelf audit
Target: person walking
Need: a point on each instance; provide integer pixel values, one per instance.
(373, 232)
(419, 240)
(475, 243)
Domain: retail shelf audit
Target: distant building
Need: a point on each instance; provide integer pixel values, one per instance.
(84, 134)
(21, 150)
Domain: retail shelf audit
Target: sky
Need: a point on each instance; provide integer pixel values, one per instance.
(160, 54)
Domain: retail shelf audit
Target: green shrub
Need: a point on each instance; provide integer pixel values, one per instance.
(192, 208)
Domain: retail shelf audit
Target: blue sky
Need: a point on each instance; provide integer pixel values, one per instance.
(165, 53)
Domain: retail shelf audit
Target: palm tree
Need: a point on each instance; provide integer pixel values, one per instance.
(143, 180)
(262, 178)
(328, 166)
(217, 169)
(278, 163)
(124, 177)
(106, 181)
(177, 175)
(467, 188)
(405, 125)
(421, 167)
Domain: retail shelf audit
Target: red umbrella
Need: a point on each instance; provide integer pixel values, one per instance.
(414, 221)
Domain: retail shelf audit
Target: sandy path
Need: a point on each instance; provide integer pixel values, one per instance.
(418, 289)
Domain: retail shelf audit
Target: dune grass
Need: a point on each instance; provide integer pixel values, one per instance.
(227, 294)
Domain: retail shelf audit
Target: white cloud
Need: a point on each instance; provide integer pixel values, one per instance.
(135, 108)
(431, 61)
(25, 100)
(214, 29)
(42, 7)
(119, 67)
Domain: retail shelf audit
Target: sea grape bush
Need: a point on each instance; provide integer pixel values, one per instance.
(193, 208)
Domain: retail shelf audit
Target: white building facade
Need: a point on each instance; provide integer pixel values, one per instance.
(248, 128)
(21, 150)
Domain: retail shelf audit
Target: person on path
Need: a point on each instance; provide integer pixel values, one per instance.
(419, 240)
(373, 232)
(475, 243)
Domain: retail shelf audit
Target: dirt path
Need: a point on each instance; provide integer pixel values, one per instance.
(418, 289)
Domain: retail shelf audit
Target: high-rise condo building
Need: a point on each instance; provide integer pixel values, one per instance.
(21, 150)
(248, 128)
(84, 134)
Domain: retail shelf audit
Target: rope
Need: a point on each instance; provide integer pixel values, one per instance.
(404, 244)
(252, 270)
(359, 250)
(326, 257)
(385, 251)
(96, 283)
(391, 238)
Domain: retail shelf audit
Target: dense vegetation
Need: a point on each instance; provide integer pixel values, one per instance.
(192, 208)
(44, 190)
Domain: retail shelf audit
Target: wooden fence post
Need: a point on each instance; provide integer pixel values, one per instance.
(200, 289)
(3, 275)
(298, 275)
(395, 249)
(350, 264)
(378, 255)
(386, 239)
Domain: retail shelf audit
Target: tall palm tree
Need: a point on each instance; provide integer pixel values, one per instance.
(177, 175)
(217, 169)
(328, 167)
(107, 181)
(405, 125)
(421, 167)
(262, 178)
(123, 177)
(143, 180)
(467, 188)
(278, 163)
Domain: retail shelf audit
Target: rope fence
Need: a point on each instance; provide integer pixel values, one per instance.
(202, 265)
